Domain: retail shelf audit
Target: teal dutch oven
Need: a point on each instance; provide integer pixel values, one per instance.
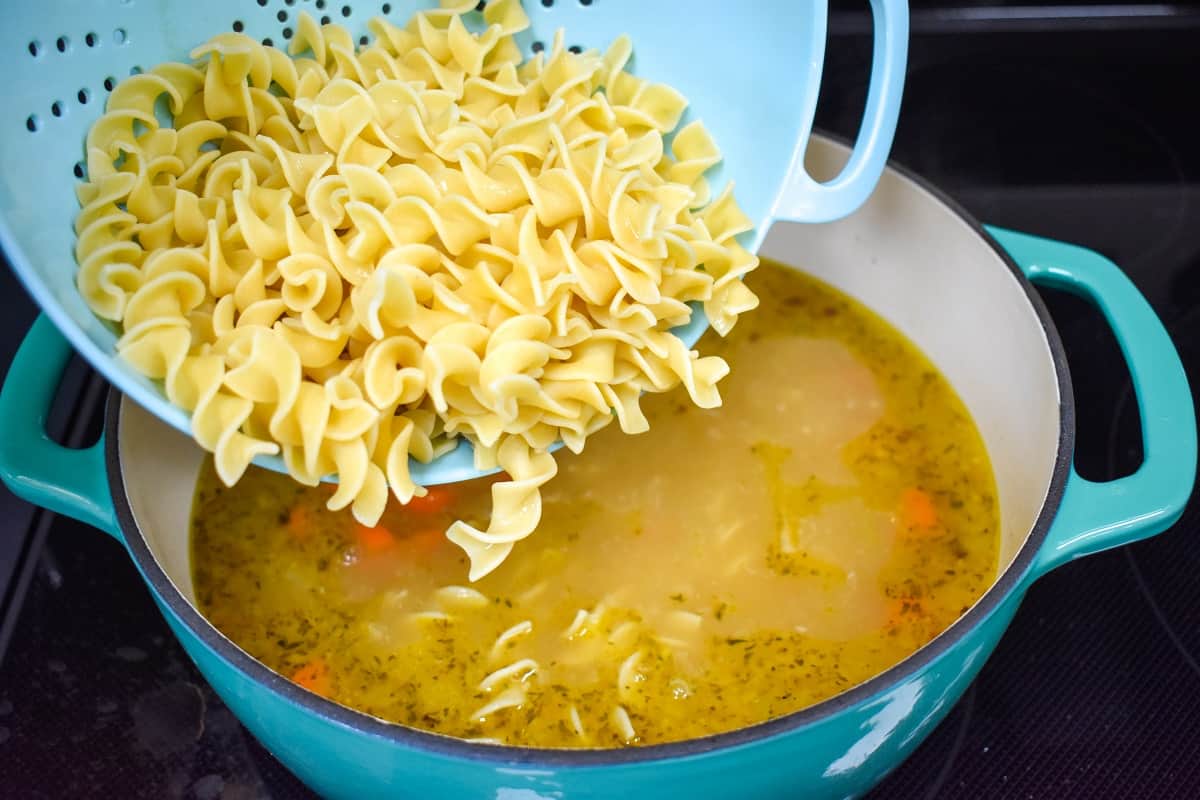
(962, 292)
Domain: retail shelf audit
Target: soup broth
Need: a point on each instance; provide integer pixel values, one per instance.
(730, 566)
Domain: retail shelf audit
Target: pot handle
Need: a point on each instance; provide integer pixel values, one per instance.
(802, 198)
(32, 465)
(1096, 516)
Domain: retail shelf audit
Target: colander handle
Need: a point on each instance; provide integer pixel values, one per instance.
(1097, 515)
(33, 466)
(803, 198)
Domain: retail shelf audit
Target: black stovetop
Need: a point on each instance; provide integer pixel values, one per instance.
(1085, 130)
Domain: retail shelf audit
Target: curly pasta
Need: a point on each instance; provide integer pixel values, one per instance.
(352, 256)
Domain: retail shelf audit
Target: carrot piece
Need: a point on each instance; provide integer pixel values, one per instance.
(436, 498)
(374, 540)
(314, 676)
(298, 523)
(417, 544)
(917, 510)
(900, 608)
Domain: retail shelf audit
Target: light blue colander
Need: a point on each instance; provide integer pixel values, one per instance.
(750, 69)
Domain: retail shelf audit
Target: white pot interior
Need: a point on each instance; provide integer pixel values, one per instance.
(905, 254)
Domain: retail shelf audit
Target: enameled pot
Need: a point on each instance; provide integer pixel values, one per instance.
(962, 292)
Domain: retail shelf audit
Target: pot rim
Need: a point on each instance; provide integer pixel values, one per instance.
(447, 746)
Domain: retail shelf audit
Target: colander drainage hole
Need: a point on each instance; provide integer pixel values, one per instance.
(281, 16)
(90, 40)
(78, 169)
(119, 36)
(62, 43)
(109, 83)
(56, 108)
(33, 123)
(238, 27)
(35, 48)
(83, 96)
(345, 11)
(287, 33)
(537, 47)
(387, 8)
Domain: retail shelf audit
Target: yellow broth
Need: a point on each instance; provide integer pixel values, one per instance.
(727, 567)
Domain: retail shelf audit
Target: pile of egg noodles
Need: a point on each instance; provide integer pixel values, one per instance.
(353, 255)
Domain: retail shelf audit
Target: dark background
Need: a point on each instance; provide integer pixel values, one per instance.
(1077, 121)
